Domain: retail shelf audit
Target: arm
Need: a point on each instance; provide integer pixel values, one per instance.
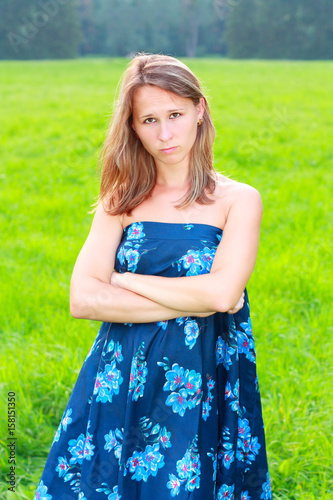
(232, 267)
(91, 294)
(104, 302)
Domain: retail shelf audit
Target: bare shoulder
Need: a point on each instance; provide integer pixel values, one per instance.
(240, 202)
(106, 224)
(237, 192)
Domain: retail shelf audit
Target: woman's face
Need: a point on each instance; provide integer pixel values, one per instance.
(166, 124)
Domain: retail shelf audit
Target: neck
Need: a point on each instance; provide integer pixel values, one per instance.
(171, 176)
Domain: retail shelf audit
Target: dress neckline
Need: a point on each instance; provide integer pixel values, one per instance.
(184, 224)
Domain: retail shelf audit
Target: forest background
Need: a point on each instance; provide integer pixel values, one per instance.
(287, 29)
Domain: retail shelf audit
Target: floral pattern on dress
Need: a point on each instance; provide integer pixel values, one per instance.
(188, 471)
(199, 436)
(144, 463)
(112, 495)
(113, 441)
(138, 374)
(247, 446)
(115, 349)
(185, 387)
(163, 324)
(135, 231)
(224, 353)
(197, 261)
(80, 449)
(93, 348)
(245, 341)
(65, 421)
(108, 381)
(226, 453)
(41, 492)
(256, 383)
(206, 404)
(226, 492)
(266, 489)
(233, 394)
(213, 456)
(191, 330)
(130, 251)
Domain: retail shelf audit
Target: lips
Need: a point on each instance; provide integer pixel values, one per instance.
(169, 150)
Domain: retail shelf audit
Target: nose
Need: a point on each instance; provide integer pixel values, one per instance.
(165, 132)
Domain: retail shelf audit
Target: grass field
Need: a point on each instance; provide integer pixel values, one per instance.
(274, 126)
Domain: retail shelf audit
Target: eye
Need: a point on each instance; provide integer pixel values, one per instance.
(175, 115)
(149, 120)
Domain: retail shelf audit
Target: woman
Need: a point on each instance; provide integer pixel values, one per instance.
(167, 401)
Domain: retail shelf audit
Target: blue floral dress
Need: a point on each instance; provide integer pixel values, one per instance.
(169, 409)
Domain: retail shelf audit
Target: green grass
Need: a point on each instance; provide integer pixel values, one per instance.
(274, 131)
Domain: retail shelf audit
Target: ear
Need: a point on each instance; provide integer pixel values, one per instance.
(201, 107)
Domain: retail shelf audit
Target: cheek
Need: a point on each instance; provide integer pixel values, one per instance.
(142, 133)
(191, 127)
(146, 140)
(145, 137)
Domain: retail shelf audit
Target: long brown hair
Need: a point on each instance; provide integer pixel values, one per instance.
(128, 172)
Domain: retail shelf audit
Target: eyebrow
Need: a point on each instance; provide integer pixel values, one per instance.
(169, 111)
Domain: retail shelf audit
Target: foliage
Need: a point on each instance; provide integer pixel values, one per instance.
(39, 29)
(274, 129)
(53, 28)
(273, 29)
(122, 28)
(44, 29)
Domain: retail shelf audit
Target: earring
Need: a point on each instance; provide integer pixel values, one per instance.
(200, 122)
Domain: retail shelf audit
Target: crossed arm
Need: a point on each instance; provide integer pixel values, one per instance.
(92, 296)
(233, 264)
(97, 292)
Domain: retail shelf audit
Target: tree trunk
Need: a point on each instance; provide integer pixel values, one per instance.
(191, 42)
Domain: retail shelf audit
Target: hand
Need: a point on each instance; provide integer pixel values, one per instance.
(238, 306)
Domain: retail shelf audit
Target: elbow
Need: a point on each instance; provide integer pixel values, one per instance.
(222, 306)
(85, 305)
(217, 295)
(76, 307)
(222, 303)
(88, 298)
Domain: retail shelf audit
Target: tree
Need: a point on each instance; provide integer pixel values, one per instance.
(121, 27)
(196, 17)
(88, 26)
(242, 31)
(39, 29)
(314, 29)
(290, 29)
